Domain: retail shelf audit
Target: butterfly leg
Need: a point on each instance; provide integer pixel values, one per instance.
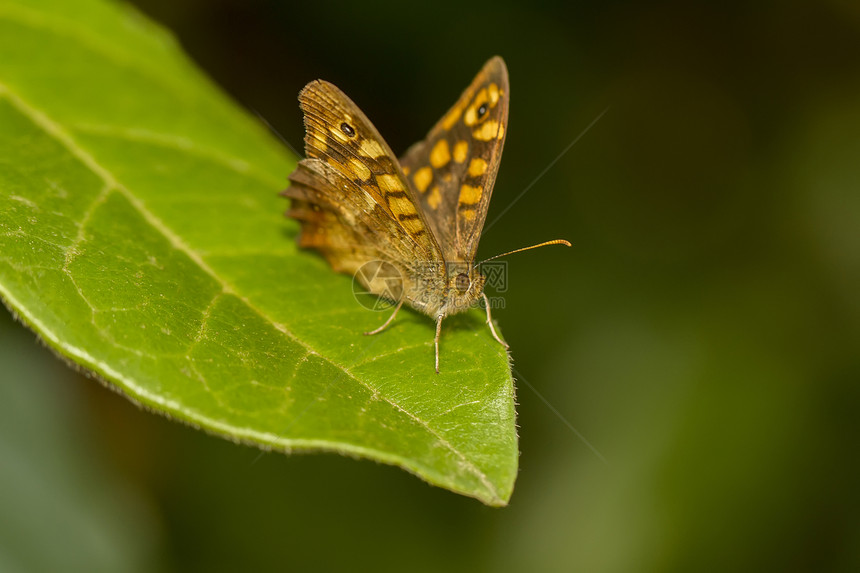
(387, 322)
(436, 340)
(490, 321)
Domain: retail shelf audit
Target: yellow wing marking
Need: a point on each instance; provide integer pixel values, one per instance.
(452, 117)
(371, 148)
(470, 195)
(477, 167)
(440, 155)
(359, 168)
(461, 150)
(494, 93)
(487, 131)
(422, 178)
(435, 198)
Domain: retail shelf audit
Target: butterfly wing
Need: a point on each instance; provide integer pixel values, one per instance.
(350, 194)
(453, 170)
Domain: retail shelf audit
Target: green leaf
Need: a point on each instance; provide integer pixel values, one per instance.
(142, 237)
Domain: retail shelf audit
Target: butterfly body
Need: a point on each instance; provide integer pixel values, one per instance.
(419, 217)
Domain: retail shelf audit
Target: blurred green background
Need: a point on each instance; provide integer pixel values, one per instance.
(703, 334)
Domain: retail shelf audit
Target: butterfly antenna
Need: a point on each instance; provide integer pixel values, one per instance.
(544, 244)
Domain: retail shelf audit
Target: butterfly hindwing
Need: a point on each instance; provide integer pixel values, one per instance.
(453, 170)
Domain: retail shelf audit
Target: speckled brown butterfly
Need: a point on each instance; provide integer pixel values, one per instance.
(420, 216)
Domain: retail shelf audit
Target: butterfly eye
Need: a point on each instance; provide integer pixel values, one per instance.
(347, 129)
(482, 111)
(462, 283)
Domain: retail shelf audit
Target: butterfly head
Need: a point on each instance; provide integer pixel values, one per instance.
(465, 286)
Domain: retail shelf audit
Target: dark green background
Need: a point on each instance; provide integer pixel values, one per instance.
(702, 334)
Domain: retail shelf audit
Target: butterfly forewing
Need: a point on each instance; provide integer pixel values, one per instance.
(452, 171)
(350, 193)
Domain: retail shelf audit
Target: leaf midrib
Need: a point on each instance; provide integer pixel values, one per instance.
(65, 139)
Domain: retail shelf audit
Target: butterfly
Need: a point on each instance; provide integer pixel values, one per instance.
(417, 219)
